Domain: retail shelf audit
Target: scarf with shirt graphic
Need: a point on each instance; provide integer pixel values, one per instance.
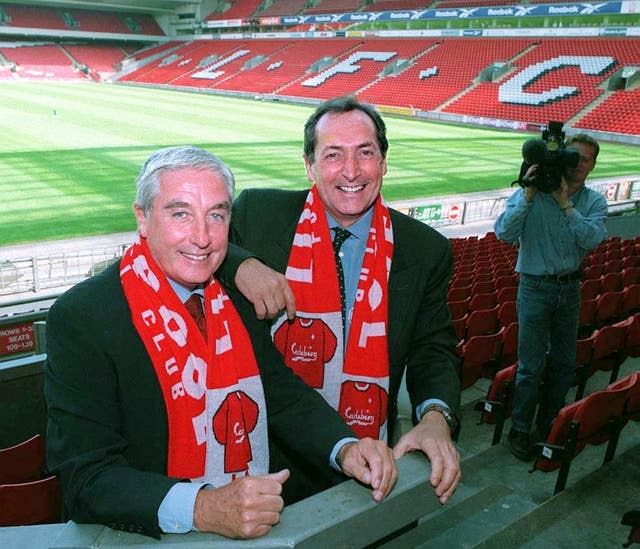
(212, 389)
(355, 381)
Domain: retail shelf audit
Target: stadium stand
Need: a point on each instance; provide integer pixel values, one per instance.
(334, 6)
(238, 9)
(41, 63)
(39, 17)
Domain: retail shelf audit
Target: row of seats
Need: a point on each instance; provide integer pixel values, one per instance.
(439, 71)
(605, 350)
(28, 494)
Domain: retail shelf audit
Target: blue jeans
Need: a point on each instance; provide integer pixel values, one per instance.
(548, 314)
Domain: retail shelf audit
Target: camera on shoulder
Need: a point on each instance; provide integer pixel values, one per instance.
(551, 155)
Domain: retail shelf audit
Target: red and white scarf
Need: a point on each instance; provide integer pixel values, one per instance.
(212, 389)
(355, 382)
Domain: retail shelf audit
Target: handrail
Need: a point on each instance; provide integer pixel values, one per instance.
(344, 516)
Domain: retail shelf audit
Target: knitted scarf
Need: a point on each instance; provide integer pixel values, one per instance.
(212, 389)
(355, 382)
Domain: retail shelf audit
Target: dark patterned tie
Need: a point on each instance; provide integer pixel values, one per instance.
(340, 236)
(194, 306)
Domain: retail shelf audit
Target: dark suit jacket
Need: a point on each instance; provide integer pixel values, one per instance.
(421, 337)
(107, 428)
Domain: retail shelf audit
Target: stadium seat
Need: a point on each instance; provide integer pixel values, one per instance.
(482, 287)
(507, 313)
(632, 518)
(483, 301)
(507, 281)
(459, 293)
(482, 322)
(496, 407)
(587, 318)
(22, 462)
(632, 384)
(510, 293)
(590, 288)
(479, 354)
(609, 308)
(630, 276)
(35, 502)
(595, 419)
(611, 282)
(609, 349)
(584, 351)
(509, 349)
(593, 272)
(631, 300)
(459, 309)
(632, 345)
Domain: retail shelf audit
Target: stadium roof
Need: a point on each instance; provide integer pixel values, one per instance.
(146, 6)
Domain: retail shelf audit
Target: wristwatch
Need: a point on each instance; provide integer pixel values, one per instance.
(448, 416)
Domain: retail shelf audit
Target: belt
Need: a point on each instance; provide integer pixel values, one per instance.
(568, 277)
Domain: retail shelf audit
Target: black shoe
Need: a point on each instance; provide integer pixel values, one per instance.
(520, 445)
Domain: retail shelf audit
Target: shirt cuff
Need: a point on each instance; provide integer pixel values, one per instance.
(175, 514)
(334, 453)
(420, 407)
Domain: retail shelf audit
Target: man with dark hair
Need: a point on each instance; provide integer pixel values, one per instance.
(164, 391)
(369, 285)
(554, 231)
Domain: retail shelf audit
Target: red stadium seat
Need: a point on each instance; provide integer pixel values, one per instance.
(609, 308)
(609, 349)
(510, 293)
(22, 462)
(483, 301)
(459, 309)
(482, 322)
(631, 300)
(497, 406)
(478, 353)
(35, 502)
(507, 313)
(595, 419)
(590, 288)
(630, 276)
(611, 282)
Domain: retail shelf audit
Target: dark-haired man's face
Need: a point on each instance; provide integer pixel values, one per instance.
(348, 165)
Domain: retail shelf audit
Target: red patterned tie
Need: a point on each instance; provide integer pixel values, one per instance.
(194, 306)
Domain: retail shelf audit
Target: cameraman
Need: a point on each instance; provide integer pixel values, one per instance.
(554, 231)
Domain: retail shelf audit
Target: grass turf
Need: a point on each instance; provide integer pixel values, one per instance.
(69, 153)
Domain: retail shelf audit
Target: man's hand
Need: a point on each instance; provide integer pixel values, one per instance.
(561, 194)
(530, 190)
(371, 462)
(243, 509)
(268, 290)
(432, 436)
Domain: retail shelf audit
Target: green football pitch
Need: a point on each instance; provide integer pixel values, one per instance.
(69, 153)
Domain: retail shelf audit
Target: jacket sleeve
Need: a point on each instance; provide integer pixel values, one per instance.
(87, 445)
(433, 366)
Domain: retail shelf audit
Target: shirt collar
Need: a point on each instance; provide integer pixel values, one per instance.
(360, 229)
(183, 292)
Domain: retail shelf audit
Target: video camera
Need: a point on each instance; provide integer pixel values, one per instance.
(551, 155)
